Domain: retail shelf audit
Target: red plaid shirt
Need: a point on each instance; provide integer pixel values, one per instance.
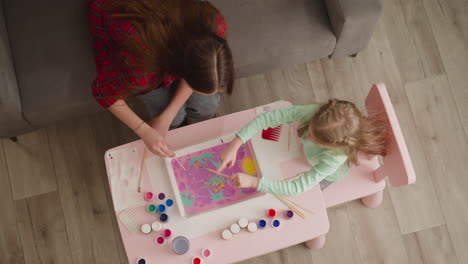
(108, 34)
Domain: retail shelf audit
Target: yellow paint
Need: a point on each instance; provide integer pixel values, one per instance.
(248, 166)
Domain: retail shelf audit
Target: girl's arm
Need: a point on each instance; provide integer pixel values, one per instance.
(327, 165)
(269, 119)
(275, 118)
(164, 120)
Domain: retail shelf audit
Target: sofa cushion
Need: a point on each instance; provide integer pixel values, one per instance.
(54, 64)
(11, 119)
(267, 34)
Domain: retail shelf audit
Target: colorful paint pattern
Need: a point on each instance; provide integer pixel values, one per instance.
(201, 190)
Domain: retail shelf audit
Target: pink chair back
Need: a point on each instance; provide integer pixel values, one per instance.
(397, 165)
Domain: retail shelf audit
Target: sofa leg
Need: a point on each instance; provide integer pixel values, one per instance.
(316, 243)
(373, 200)
(353, 55)
(14, 139)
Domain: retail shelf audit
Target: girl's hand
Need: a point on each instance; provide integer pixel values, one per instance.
(154, 141)
(241, 180)
(228, 157)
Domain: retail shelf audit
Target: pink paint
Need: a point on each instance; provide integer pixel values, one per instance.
(202, 190)
(159, 240)
(149, 196)
(206, 252)
(167, 233)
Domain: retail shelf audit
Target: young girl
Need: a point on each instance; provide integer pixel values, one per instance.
(332, 134)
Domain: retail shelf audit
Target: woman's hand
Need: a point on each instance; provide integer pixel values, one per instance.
(241, 180)
(228, 157)
(154, 141)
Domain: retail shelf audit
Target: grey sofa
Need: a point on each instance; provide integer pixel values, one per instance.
(46, 61)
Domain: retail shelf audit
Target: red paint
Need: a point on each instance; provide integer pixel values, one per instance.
(167, 232)
(271, 213)
(196, 260)
(159, 240)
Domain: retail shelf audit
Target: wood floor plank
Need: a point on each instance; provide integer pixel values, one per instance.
(450, 26)
(340, 239)
(291, 84)
(341, 81)
(377, 233)
(422, 36)
(11, 250)
(30, 165)
(248, 92)
(446, 147)
(416, 206)
(413, 248)
(82, 192)
(401, 42)
(50, 234)
(433, 246)
(26, 231)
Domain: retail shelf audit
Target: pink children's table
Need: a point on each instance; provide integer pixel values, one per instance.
(242, 246)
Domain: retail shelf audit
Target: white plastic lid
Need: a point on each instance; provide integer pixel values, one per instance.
(226, 234)
(235, 228)
(243, 222)
(146, 228)
(252, 227)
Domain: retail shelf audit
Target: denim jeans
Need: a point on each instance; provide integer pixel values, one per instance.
(197, 108)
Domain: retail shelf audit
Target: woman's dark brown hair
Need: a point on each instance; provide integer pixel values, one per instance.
(179, 37)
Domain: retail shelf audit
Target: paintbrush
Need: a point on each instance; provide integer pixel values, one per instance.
(213, 171)
(286, 202)
(141, 169)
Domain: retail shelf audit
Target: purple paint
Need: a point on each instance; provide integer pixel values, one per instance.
(161, 196)
(202, 190)
(289, 214)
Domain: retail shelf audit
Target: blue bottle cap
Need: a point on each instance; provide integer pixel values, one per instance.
(169, 202)
(161, 208)
(275, 223)
(262, 223)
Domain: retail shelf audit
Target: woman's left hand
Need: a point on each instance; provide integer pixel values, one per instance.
(241, 180)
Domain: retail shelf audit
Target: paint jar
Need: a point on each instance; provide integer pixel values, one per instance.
(180, 245)
(149, 196)
(163, 218)
(161, 208)
(289, 214)
(152, 208)
(206, 252)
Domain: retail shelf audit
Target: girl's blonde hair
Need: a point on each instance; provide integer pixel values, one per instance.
(340, 125)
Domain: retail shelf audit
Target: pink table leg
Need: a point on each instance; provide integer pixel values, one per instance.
(316, 243)
(373, 200)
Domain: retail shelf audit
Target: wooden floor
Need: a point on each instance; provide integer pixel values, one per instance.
(54, 196)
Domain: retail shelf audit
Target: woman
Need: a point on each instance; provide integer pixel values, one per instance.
(171, 54)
